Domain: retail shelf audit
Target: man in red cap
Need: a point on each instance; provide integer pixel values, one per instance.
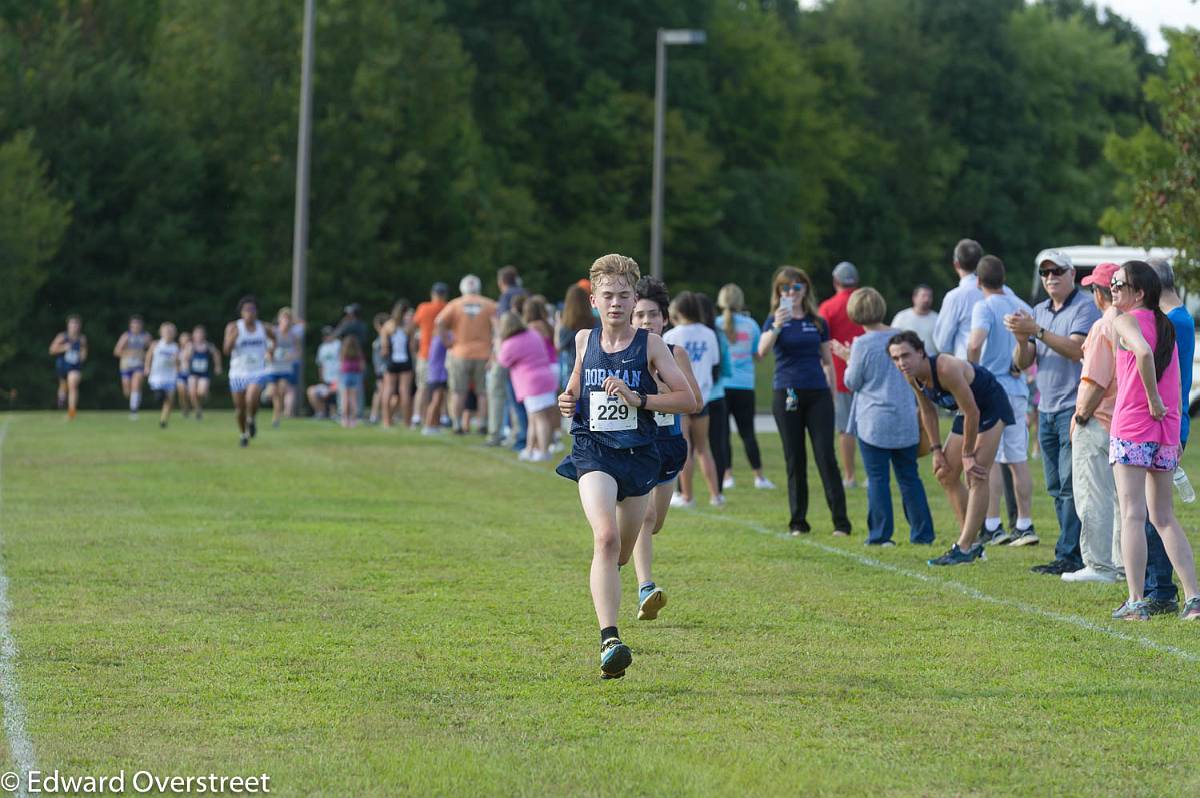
(1095, 490)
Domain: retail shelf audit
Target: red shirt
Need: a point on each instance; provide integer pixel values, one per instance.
(833, 310)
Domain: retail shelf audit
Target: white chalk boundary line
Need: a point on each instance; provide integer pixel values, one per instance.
(948, 584)
(14, 711)
(966, 590)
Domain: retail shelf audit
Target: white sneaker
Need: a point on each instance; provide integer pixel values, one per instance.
(539, 457)
(556, 447)
(849, 484)
(677, 500)
(762, 483)
(415, 421)
(718, 500)
(1089, 575)
(431, 430)
(728, 483)
(525, 455)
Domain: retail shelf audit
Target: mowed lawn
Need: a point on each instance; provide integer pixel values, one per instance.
(360, 612)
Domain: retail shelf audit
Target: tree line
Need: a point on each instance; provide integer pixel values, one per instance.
(147, 149)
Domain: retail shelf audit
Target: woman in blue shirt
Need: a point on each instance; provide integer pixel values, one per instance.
(883, 416)
(741, 333)
(802, 402)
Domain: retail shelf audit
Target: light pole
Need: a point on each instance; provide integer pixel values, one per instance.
(665, 37)
(303, 152)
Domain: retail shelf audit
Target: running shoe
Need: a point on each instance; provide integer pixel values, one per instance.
(762, 483)
(1056, 568)
(162, 425)
(883, 544)
(1191, 609)
(797, 531)
(849, 484)
(728, 483)
(1090, 575)
(556, 447)
(677, 500)
(274, 423)
(1132, 611)
(718, 500)
(1024, 537)
(253, 428)
(244, 442)
(615, 657)
(1002, 537)
(841, 533)
(652, 600)
(1163, 606)
(957, 556)
(133, 415)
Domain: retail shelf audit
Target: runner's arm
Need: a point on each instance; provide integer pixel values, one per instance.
(950, 375)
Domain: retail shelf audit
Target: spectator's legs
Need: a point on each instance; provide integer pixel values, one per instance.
(790, 424)
(741, 407)
(912, 494)
(1094, 489)
(497, 390)
(880, 516)
(1054, 436)
(718, 437)
(818, 411)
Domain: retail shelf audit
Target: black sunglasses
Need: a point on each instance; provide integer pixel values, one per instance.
(1057, 272)
(1114, 284)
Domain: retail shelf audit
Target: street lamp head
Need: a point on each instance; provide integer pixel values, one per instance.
(682, 36)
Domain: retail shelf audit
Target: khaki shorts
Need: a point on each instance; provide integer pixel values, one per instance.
(465, 373)
(422, 371)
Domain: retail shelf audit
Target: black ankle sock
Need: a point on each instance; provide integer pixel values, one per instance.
(607, 632)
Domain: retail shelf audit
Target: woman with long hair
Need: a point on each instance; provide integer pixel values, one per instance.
(718, 411)
(534, 382)
(802, 404)
(1144, 443)
(743, 333)
(700, 342)
(395, 340)
(576, 315)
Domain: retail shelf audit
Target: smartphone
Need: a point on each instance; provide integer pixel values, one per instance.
(785, 302)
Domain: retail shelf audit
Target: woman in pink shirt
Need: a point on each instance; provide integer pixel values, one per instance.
(1144, 442)
(523, 353)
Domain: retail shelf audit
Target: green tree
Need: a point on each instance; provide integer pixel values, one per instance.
(33, 222)
(1158, 200)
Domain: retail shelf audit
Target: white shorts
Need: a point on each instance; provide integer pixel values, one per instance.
(1014, 442)
(238, 383)
(166, 384)
(536, 404)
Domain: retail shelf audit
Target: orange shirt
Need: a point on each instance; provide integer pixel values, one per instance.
(425, 318)
(469, 319)
(1100, 367)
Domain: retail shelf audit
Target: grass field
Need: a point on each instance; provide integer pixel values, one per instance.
(355, 612)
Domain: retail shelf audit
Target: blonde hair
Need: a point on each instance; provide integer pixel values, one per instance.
(866, 306)
(730, 300)
(614, 267)
(510, 325)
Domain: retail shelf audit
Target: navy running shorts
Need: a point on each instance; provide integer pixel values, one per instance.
(673, 453)
(635, 470)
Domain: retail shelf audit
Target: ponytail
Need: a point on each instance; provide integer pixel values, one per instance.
(727, 322)
(1164, 344)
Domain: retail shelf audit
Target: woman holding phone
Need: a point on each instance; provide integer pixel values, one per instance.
(802, 403)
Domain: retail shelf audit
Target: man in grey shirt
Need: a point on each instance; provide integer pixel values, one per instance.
(1053, 336)
(921, 318)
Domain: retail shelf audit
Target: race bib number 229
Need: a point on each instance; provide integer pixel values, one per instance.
(609, 413)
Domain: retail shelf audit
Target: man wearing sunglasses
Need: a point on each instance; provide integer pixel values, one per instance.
(1053, 337)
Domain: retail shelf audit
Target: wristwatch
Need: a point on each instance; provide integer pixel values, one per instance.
(641, 400)
(1082, 421)
(1040, 334)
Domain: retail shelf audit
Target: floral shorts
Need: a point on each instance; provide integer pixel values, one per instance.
(1155, 456)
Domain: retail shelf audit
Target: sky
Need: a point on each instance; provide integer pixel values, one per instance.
(1149, 15)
